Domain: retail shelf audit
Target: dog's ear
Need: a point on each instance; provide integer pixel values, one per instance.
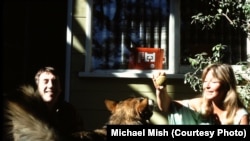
(142, 106)
(111, 105)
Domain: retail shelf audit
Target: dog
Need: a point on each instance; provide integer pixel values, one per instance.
(130, 111)
(26, 118)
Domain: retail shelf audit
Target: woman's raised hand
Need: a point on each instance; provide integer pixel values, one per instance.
(159, 80)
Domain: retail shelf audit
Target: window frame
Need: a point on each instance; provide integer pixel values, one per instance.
(175, 70)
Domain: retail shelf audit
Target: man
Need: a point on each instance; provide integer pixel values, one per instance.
(64, 115)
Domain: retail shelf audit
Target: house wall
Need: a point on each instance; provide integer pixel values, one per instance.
(88, 94)
(34, 34)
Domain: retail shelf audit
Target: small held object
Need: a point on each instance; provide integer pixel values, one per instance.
(160, 81)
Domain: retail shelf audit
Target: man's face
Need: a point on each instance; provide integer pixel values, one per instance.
(48, 87)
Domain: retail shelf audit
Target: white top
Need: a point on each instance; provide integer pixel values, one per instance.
(239, 114)
(184, 115)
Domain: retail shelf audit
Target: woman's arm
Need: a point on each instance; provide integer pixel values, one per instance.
(162, 97)
(244, 120)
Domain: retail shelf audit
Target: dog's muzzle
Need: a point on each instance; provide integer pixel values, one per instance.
(151, 104)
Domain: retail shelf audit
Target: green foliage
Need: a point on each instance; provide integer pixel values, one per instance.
(236, 12)
(244, 94)
(198, 63)
(243, 79)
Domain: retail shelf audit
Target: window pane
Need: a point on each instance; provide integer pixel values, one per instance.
(195, 40)
(121, 25)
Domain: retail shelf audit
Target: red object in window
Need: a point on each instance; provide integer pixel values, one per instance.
(146, 58)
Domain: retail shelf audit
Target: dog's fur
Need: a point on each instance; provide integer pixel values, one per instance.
(130, 111)
(26, 118)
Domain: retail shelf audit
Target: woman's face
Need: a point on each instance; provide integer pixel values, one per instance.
(211, 87)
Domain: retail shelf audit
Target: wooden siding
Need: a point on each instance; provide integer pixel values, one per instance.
(88, 94)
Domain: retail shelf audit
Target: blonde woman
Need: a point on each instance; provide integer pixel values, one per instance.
(218, 103)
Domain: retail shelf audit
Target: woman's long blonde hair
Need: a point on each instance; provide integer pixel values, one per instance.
(225, 74)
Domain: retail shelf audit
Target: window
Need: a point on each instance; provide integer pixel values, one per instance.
(119, 26)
